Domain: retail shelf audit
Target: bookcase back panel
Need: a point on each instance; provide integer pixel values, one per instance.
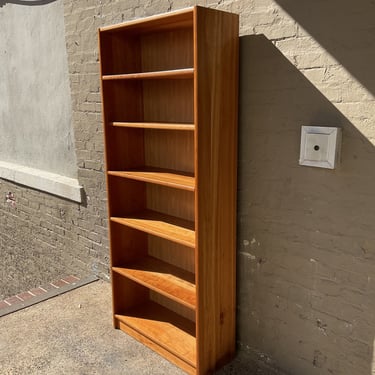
(123, 100)
(175, 202)
(170, 149)
(133, 53)
(128, 244)
(173, 306)
(168, 50)
(125, 148)
(130, 196)
(127, 293)
(168, 100)
(171, 252)
(120, 54)
(125, 196)
(161, 100)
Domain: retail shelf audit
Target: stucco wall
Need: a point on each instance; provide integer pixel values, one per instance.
(306, 239)
(35, 105)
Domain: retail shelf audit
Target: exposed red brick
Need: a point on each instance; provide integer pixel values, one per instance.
(37, 291)
(47, 287)
(59, 283)
(13, 300)
(25, 296)
(3, 305)
(70, 279)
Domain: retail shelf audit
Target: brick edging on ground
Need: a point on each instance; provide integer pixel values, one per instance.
(42, 293)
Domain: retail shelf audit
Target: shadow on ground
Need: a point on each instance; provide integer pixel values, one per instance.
(73, 334)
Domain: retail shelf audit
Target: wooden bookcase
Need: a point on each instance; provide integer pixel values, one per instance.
(169, 92)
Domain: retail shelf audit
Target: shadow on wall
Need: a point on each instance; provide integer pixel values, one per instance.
(306, 235)
(345, 29)
(26, 2)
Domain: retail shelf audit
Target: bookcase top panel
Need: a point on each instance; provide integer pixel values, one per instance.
(178, 19)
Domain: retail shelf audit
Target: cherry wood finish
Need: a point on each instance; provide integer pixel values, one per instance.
(169, 92)
(177, 73)
(172, 332)
(154, 125)
(164, 226)
(162, 277)
(216, 177)
(164, 177)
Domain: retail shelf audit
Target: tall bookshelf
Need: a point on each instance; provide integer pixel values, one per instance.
(169, 92)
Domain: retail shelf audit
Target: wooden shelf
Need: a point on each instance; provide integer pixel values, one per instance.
(165, 74)
(165, 226)
(154, 125)
(163, 327)
(166, 279)
(165, 177)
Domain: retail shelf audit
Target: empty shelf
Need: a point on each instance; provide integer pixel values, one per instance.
(161, 225)
(171, 74)
(154, 125)
(167, 329)
(165, 177)
(164, 278)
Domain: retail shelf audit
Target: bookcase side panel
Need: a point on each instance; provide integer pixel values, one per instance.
(216, 48)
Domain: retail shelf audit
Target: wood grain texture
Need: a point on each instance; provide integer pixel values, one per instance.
(172, 305)
(174, 202)
(124, 100)
(172, 74)
(127, 244)
(167, 50)
(127, 293)
(216, 82)
(173, 20)
(165, 226)
(126, 196)
(139, 47)
(171, 252)
(163, 350)
(170, 149)
(155, 125)
(124, 148)
(168, 100)
(150, 100)
(168, 280)
(164, 328)
(119, 55)
(165, 177)
(169, 90)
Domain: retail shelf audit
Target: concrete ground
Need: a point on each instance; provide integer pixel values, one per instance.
(72, 334)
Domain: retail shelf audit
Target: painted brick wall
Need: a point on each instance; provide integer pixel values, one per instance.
(44, 238)
(306, 235)
(306, 239)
